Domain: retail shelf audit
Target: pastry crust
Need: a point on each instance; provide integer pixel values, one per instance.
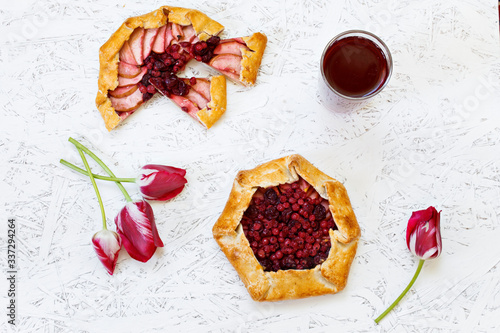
(109, 52)
(252, 58)
(327, 278)
(217, 105)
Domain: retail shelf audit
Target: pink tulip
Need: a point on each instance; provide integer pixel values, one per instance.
(160, 182)
(107, 244)
(136, 225)
(423, 236)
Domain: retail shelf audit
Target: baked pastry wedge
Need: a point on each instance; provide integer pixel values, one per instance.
(147, 52)
(239, 58)
(289, 230)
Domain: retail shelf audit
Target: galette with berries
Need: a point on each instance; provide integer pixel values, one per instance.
(147, 53)
(289, 230)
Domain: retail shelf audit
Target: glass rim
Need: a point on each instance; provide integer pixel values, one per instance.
(384, 48)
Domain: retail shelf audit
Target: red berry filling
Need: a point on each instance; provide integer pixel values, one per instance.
(163, 67)
(161, 73)
(204, 51)
(287, 226)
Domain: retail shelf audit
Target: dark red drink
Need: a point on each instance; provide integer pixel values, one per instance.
(356, 66)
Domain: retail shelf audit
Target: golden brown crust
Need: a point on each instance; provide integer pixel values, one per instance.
(239, 253)
(291, 284)
(109, 57)
(204, 26)
(252, 58)
(328, 277)
(336, 267)
(218, 100)
(109, 52)
(342, 212)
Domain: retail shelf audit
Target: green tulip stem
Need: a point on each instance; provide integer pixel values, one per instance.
(92, 180)
(112, 179)
(101, 163)
(419, 268)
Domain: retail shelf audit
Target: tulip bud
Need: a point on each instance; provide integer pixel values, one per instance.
(160, 182)
(423, 236)
(137, 228)
(107, 244)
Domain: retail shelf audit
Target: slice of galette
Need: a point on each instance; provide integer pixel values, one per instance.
(289, 230)
(239, 58)
(155, 47)
(197, 97)
(149, 48)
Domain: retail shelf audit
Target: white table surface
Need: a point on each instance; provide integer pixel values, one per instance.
(430, 138)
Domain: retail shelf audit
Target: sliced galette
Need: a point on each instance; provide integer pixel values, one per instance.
(289, 230)
(145, 55)
(239, 58)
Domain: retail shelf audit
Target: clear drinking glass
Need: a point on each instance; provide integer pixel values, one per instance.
(355, 66)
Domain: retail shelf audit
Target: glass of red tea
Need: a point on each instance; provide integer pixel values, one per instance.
(355, 66)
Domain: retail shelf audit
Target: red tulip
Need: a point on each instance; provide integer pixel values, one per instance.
(160, 182)
(107, 244)
(136, 225)
(423, 239)
(423, 236)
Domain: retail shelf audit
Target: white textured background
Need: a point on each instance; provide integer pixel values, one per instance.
(430, 138)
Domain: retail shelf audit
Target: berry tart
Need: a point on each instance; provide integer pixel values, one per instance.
(146, 54)
(289, 230)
